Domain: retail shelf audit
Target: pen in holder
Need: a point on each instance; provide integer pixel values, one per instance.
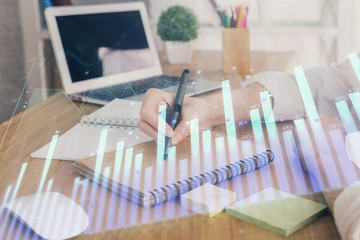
(236, 50)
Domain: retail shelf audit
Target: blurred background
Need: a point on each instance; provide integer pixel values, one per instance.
(11, 57)
(321, 32)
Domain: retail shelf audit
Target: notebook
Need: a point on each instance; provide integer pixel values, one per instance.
(277, 211)
(136, 174)
(119, 119)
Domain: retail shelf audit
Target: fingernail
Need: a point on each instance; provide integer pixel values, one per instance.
(176, 138)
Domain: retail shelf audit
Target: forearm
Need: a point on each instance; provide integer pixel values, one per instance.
(242, 99)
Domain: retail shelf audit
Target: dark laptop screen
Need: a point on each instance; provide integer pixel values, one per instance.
(104, 44)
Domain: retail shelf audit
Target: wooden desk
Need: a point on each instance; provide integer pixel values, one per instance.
(34, 128)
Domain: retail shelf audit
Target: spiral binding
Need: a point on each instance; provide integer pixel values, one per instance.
(169, 192)
(109, 122)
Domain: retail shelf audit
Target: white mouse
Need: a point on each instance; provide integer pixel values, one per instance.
(352, 143)
(51, 215)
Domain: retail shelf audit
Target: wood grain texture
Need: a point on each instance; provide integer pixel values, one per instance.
(236, 50)
(112, 217)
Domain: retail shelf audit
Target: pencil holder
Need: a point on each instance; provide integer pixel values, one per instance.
(236, 50)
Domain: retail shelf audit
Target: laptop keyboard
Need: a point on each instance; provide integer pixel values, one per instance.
(133, 88)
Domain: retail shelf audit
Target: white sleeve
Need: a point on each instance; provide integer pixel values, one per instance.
(347, 212)
(326, 85)
(285, 93)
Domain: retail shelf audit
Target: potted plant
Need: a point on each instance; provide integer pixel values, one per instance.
(178, 26)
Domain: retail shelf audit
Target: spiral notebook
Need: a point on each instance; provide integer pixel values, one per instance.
(136, 174)
(120, 119)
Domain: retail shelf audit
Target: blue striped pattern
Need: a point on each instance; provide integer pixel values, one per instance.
(169, 192)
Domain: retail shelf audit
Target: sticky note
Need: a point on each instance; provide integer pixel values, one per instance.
(277, 211)
(208, 199)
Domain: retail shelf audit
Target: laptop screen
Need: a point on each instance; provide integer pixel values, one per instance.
(105, 44)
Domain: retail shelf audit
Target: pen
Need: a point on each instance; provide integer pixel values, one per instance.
(232, 20)
(237, 15)
(246, 12)
(226, 21)
(221, 16)
(243, 18)
(175, 114)
(241, 13)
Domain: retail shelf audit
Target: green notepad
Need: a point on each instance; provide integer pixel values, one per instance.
(277, 211)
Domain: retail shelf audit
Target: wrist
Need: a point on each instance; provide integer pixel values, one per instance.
(215, 110)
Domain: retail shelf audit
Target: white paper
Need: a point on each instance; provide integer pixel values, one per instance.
(83, 140)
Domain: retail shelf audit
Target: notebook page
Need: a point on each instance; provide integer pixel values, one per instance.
(82, 140)
(119, 108)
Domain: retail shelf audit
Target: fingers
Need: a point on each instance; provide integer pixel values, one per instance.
(152, 132)
(149, 113)
(192, 109)
(178, 137)
(150, 118)
(148, 129)
(180, 132)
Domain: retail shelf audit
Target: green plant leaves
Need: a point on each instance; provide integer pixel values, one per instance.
(178, 23)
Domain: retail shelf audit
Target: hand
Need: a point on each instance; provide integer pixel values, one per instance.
(191, 108)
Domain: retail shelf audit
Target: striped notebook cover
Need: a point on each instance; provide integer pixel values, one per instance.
(136, 174)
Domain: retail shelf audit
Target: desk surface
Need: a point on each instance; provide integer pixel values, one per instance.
(34, 127)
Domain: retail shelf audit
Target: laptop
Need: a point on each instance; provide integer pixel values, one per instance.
(108, 51)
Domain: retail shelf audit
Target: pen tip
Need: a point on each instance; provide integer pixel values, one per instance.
(165, 156)
(186, 71)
